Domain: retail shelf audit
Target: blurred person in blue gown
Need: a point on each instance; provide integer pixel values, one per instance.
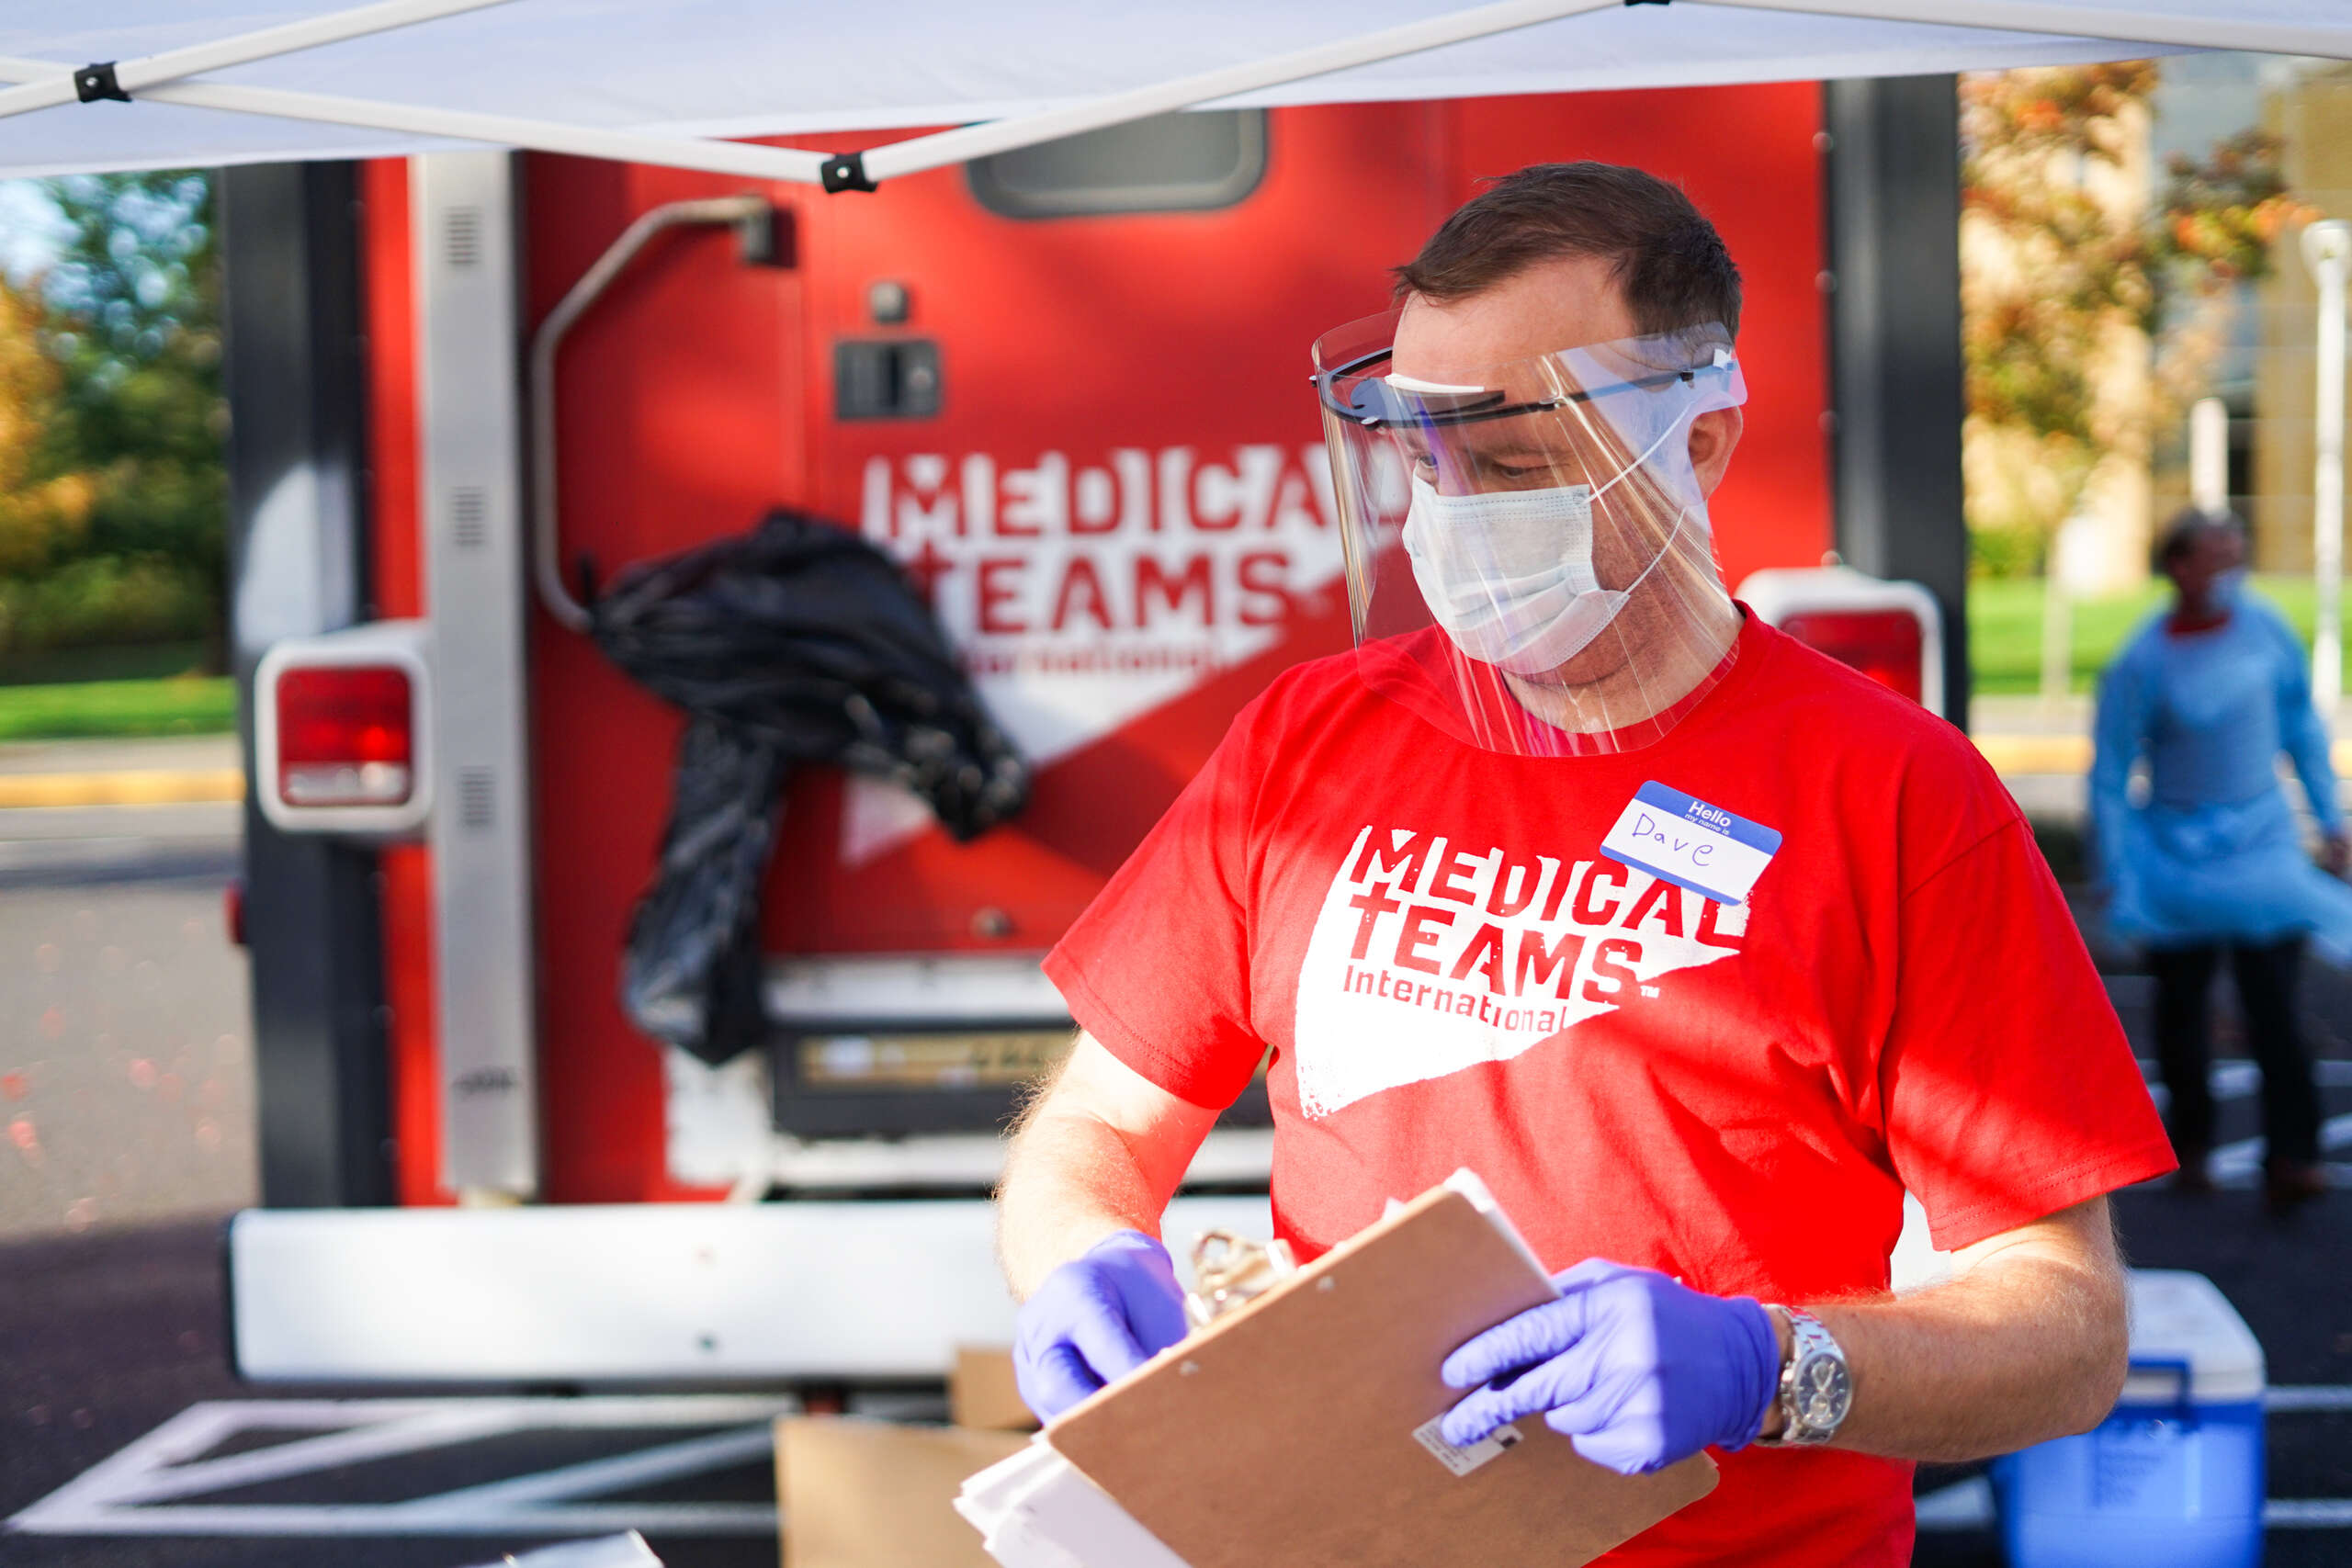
(2208, 692)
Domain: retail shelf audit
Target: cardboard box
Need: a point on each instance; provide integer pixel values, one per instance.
(876, 1494)
(982, 1395)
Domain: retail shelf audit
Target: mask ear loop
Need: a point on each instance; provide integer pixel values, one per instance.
(1624, 595)
(1636, 463)
(1681, 515)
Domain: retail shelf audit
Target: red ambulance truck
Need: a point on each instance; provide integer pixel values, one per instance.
(1067, 388)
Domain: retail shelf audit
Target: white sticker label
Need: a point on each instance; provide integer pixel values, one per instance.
(1691, 843)
(1462, 1461)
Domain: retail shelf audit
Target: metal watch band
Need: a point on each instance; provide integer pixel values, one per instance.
(1815, 1388)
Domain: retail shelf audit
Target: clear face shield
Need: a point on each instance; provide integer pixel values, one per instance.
(1529, 560)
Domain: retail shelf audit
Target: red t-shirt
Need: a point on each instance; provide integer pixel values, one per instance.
(1449, 973)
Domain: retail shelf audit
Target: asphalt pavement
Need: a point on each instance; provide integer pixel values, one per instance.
(124, 1050)
(126, 1084)
(127, 1138)
(104, 1336)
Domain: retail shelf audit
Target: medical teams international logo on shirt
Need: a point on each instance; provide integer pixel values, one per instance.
(1429, 956)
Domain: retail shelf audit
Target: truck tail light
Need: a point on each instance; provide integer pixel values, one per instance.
(345, 736)
(1885, 645)
(343, 731)
(1892, 632)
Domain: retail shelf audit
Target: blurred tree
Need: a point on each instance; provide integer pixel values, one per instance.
(133, 305)
(2214, 234)
(2070, 269)
(44, 507)
(2054, 280)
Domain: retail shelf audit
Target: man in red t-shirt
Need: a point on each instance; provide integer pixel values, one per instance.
(1700, 948)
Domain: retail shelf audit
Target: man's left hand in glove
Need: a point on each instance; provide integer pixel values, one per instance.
(1637, 1370)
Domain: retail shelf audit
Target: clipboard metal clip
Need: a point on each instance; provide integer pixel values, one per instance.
(1228, 1270)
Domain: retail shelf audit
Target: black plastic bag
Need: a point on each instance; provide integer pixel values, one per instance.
(799, 642)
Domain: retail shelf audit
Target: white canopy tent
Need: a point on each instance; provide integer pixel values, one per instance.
(214, 81)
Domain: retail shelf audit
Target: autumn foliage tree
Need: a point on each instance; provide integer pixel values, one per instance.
(2214, 229)
(113, 486)
(44, 506)
(2094, 310)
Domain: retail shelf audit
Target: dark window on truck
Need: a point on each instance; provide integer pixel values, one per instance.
(1191, 161)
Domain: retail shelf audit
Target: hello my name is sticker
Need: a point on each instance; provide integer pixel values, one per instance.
(1684, 841)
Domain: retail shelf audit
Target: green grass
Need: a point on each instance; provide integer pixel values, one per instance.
(103, 662)
(174, 705)
(2004, 629)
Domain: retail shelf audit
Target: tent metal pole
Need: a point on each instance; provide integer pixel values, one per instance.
(2216, 29)
(971, 141)
(892, 158)
(60, 84)
(748, 160)
(160, 78)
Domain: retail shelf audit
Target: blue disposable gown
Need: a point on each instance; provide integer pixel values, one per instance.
(2215, 855)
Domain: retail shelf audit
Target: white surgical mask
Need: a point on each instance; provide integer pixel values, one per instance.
(1509, 573)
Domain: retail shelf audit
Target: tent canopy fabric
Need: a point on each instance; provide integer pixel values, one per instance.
(741, 68)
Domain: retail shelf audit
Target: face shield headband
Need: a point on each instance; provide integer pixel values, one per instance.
(1362, 388)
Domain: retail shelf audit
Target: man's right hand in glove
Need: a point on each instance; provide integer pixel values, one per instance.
(1096, 1318)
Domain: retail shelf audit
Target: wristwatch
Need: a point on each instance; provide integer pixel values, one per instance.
(1817, 1388)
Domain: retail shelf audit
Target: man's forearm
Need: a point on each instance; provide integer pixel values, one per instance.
(2023, 1348)
(1069, 1181)
(1101, 1149)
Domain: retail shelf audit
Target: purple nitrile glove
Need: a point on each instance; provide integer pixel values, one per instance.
(1095, 1318)
(1636, 1370)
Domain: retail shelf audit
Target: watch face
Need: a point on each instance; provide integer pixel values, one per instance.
(1823, 1390)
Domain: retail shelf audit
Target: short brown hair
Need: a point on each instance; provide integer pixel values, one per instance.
(1666, 256)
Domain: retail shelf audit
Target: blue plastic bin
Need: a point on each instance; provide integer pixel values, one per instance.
(2175, 1476)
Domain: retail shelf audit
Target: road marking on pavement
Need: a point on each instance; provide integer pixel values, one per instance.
(2036, 754)
(2239, 1164)
(2071, 753)
(1964, 1505)
(2240, 1161)
(150, 786)
(142, 1489)
(2243, 1080)
(146, 1488)
(2295, 1397)
(1968, 1505)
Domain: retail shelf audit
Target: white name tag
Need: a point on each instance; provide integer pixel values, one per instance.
(1686, 841)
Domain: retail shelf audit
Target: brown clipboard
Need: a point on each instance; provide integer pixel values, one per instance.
(1285, 1430)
